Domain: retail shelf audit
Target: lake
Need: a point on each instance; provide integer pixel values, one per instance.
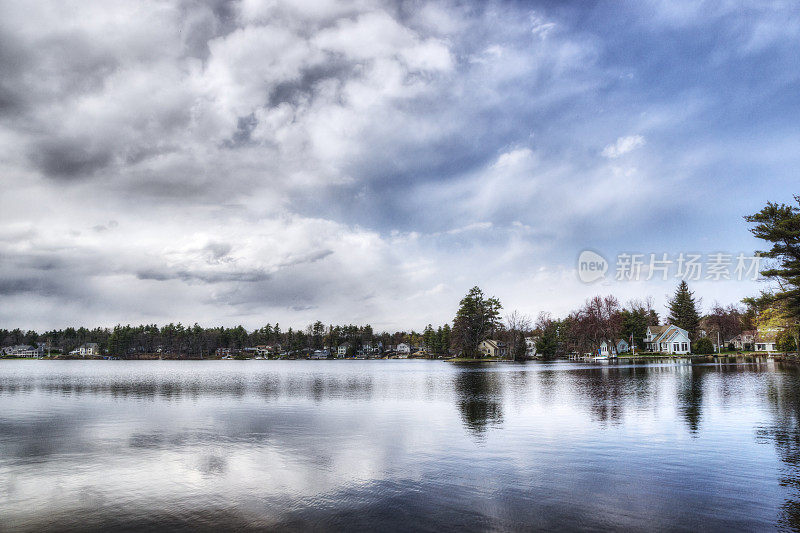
(398, 445)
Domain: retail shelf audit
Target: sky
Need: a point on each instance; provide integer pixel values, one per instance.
(364, 161)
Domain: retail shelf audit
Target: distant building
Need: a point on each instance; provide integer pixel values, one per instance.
(269, 349)
(223, 352)
(623, 346)
(744, 341)
(765, 340)
(24, 350)
(341, 351)
(87, 348)
(320, 354)
(530, 346)
(613, 349)
(403, 348)
(493, 348)
(668, 339)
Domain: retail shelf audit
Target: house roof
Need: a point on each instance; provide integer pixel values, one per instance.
(494, 343)
(669, 332)
(766, 336)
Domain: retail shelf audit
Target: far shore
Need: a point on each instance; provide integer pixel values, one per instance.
(622, 357)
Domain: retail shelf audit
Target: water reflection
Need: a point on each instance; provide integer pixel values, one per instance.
(323, 445)
(480, 398)
(784, 433)
(690, 395)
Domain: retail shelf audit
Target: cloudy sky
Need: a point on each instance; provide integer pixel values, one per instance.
(364, 161)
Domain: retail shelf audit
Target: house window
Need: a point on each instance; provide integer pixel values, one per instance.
(675, 347)
(684, 347)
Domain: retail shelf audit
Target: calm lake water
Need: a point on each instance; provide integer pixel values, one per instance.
(398, 445)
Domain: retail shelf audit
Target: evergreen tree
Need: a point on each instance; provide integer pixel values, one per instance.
(445, 342)
(428, 338)
(683, 310)
(634, 325)
(477, 319)
(780, 226)
(547, 343)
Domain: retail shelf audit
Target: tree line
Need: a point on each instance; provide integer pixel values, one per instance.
(198, 341)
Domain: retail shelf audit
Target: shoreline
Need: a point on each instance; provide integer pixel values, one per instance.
(783, 357)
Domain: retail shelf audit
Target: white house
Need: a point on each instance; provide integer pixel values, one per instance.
(668, 339)
(616, 348)
(23, 350)
(319, 354)
(87, 348)
(530, 346)
(766, 340)
(403, 348)
(341, 351)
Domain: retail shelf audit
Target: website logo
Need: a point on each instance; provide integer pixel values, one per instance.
(591, 266)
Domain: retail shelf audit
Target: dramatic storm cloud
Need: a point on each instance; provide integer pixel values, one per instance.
(369, 161)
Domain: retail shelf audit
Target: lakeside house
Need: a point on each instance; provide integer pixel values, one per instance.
(403, 348)
(744, 340)
(341, 350)
(530, 346)
(87, 348)
(668, 339)
(493, 348)
(766, 340)
(265, 350)
(24, 350)
(613, 349)
(320, 354)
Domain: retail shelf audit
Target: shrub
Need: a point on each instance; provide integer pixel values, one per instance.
(703, 346)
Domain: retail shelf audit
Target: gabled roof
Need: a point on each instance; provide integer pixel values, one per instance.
(669, 332)
(657, 330)
(766, 336)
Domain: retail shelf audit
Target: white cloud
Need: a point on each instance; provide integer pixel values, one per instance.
(320, 159)
(622, 146)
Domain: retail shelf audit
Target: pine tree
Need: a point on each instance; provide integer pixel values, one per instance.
(683, 310)
(428, 338)
(445, 342)
(478, 319)
(779, 224)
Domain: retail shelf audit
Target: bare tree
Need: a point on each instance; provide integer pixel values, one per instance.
(518, 325)
(599, 320)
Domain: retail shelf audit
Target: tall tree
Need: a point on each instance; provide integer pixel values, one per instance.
(683, 310)
(428, 339)
(547, 344)
(518, 325)
(725, 321)
(599, 320)
(635, 318)
(477, 319)
(446, 339)
(779, 224)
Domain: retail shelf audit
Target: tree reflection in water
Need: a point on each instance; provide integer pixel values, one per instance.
(784, 395)
(690, 396)
(479, 393)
